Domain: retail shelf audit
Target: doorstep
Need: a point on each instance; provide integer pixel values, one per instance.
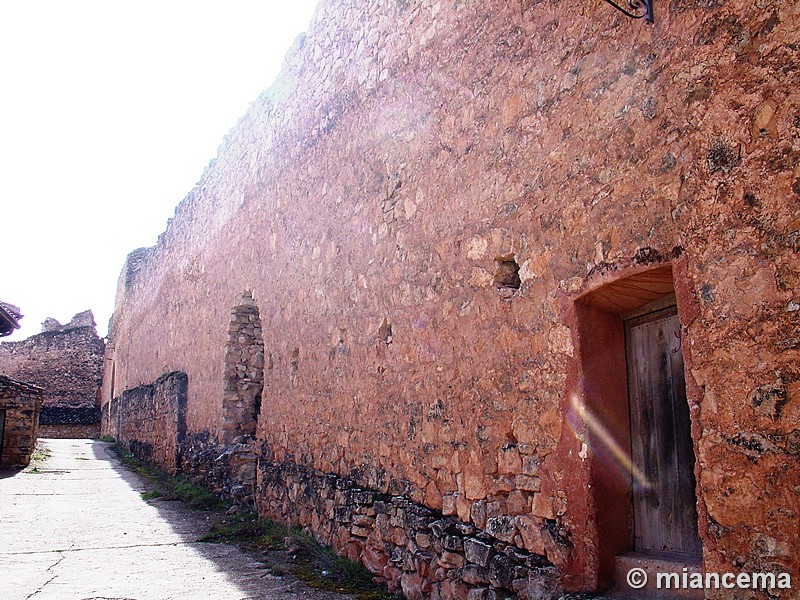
(651, 564)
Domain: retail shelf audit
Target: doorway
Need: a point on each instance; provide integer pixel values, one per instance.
(631, 410)
(2, 431)
(664, 497)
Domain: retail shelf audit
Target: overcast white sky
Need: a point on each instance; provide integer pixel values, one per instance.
(109, 112)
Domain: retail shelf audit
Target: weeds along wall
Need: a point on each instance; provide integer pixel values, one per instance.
(431, 208)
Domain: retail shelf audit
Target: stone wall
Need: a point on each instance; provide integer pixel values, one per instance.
(69, 422)
(410, 547)
(70, 432)
(244, 372)
(151, 420)
(20, 403)
(66, 361)
(436, 204)
(227, 469)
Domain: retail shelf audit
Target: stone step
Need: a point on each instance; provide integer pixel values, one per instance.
(652, 564)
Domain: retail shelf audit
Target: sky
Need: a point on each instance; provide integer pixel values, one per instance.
(109, 113)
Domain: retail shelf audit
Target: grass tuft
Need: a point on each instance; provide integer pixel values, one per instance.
(321, 568)
(194, 495)
(40, 454)
(248, 530)
(168, 487)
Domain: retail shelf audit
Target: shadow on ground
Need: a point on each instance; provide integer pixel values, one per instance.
(253, 573)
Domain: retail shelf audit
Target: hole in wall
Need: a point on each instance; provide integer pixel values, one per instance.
(506, 273)
(385, 332)
(257, 403)
(294, 362)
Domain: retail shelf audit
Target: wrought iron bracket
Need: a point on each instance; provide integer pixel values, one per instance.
(637, 9)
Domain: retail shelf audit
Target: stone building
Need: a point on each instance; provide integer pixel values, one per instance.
(66, 361)
(498, 298)
(19, 406)
(9, 318)
(19, 418)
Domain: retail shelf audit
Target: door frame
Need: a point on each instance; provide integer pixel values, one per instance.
(597, 397)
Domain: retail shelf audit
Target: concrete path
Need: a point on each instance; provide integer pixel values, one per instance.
(76, 528)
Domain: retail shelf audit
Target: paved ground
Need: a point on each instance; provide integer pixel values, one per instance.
(76, 528)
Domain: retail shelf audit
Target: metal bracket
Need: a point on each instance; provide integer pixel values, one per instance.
(634, 8)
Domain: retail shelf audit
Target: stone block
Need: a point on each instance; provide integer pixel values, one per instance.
(503, 528)
(477, 552)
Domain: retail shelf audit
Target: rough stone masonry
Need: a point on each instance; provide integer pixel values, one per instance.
(66, 361)
(451, 217)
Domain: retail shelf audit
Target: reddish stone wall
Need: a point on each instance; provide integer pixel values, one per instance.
(151, 420)
(66, 361)
(21, 403)
(244, 372)
(376, 199)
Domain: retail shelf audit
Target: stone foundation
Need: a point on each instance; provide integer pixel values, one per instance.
(229, 470)
(70, 432)
(410, 547)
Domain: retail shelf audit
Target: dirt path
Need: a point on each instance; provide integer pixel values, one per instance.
(76, 528)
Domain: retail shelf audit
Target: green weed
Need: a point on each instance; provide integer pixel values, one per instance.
(321, 568)
(194, 495)
(247, 529)
(168, 487)
(40, 454)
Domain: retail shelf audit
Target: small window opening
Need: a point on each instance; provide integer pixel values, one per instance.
(294, 362)
(385, 332)
(506, 274)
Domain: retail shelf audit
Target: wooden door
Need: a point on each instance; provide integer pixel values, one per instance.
(664, 501)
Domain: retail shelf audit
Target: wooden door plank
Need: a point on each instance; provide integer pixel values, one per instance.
(665, 516)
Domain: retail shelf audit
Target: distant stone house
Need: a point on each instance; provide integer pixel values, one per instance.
(19, 406)
(66, 362)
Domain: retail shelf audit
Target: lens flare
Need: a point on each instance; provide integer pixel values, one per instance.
(602, 442)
